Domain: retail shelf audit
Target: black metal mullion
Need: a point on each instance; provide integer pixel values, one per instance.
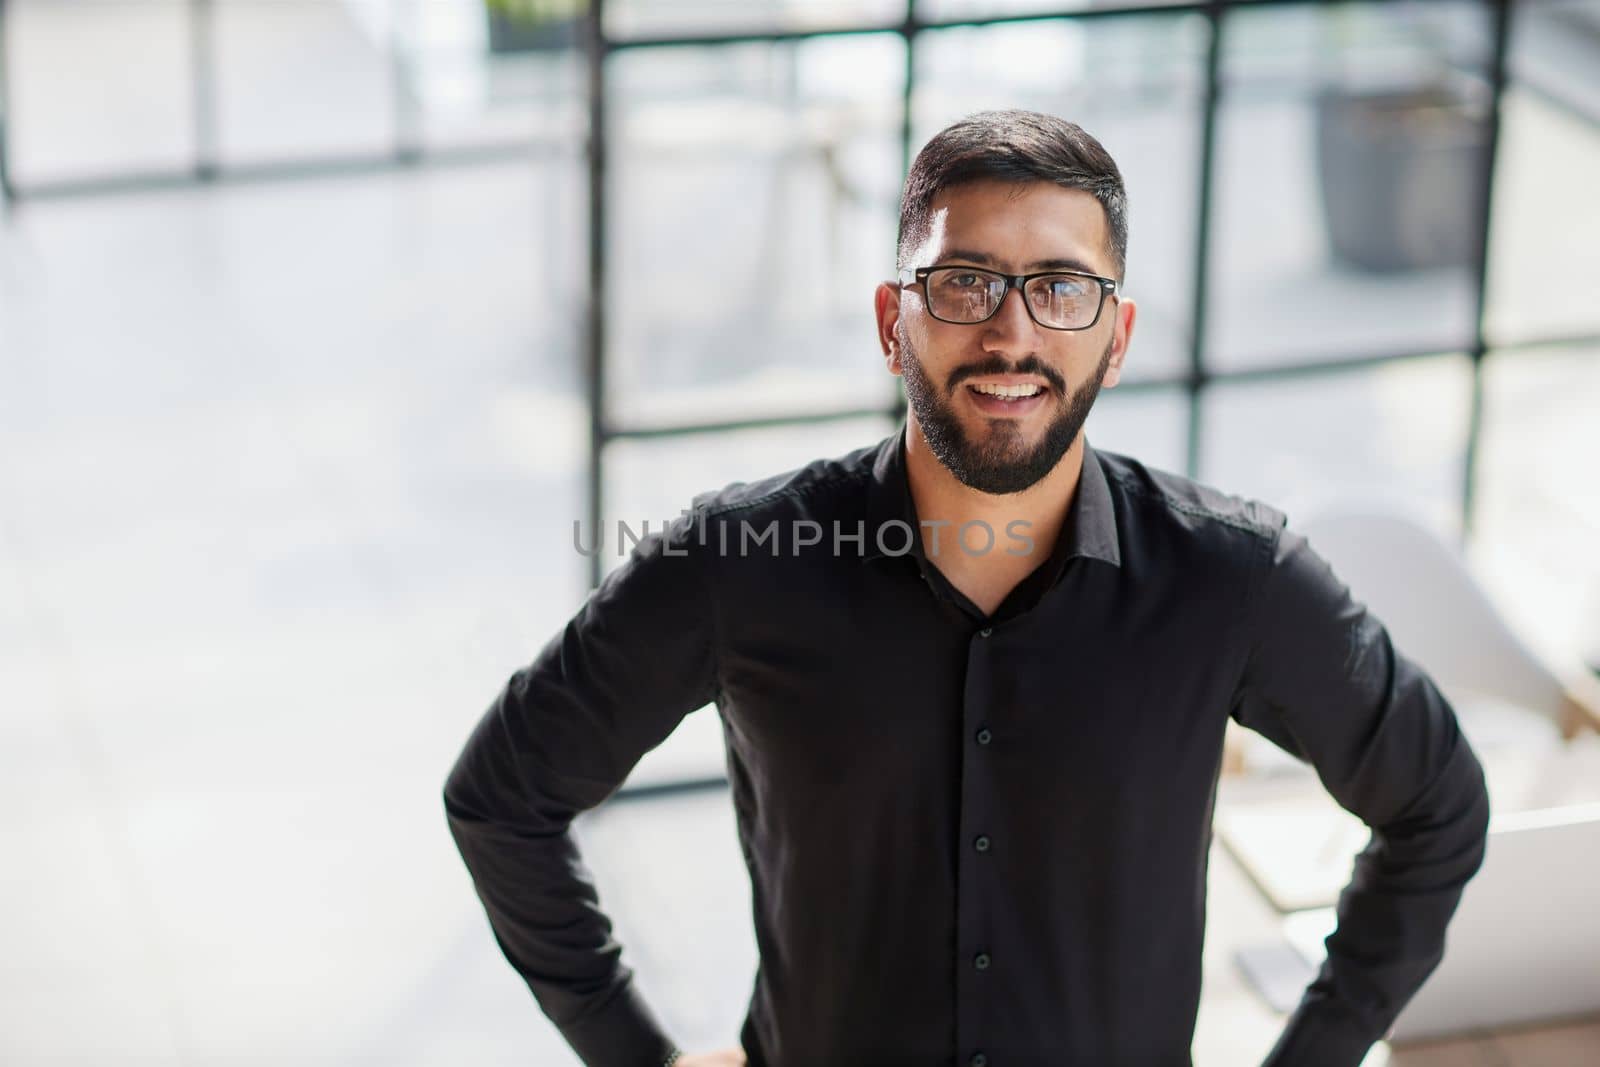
(1200, 294)
(645, 430)
(1501, 10)
(1319, 367)
(594, 332)
(713, 40)
(657, 790)
(1583, 339)
(268, 171)
(403, 101)
(203, 85)
(908, 32)
(781, 36)
(7, 193)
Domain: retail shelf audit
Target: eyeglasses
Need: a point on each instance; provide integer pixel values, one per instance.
(1056, 300)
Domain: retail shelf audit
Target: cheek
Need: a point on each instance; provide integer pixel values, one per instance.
(944, 345)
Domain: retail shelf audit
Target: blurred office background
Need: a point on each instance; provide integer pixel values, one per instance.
(298, 407)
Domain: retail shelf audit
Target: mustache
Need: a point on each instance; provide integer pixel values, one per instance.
(1000, 365)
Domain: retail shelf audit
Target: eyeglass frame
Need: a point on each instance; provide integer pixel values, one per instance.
(910, 279)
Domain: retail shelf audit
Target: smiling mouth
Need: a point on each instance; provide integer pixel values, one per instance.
(1008, 392)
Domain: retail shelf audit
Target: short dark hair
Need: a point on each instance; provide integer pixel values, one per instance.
(1016, 146)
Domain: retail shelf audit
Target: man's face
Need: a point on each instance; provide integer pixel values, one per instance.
(992, 443)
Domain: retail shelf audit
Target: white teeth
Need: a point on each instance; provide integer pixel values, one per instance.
(1007, 390)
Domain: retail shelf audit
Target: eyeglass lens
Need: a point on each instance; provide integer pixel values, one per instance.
(965, 294)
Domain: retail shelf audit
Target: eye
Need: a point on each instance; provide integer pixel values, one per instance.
(1061, 289)
(1067, 288)
(963, 279)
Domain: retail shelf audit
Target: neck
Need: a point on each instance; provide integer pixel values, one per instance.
(939, 495)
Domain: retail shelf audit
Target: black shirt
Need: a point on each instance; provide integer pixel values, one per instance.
(971, 840)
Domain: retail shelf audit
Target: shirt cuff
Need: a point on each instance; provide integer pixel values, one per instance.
(1322, 1033)
(624, 1033)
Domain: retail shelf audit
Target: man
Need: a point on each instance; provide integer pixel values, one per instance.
(974, 771)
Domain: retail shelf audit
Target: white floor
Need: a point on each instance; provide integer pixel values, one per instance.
(280, 477)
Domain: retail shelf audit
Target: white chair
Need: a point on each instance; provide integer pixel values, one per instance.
(1514, 707)
(1439, 616)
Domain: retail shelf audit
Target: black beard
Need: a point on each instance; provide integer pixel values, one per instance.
(1001, 464)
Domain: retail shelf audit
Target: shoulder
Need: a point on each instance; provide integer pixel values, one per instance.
(1160, 504)
(760, 518)
(826, 485)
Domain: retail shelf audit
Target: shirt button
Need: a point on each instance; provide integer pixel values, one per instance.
(979, 1060)
(981, 961)
(982, 843)
(985, 632)
(984, 736)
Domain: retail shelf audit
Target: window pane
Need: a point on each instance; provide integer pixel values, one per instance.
(1349, 142)
(1134, 85)
(655, 480)
(1151, 425)
(476, 82)
(1537, 518)
(133, 114)
(687, 936)
(278, 67)
(1545, 248)
(634, 18)
(1391, 435)
(753, 191)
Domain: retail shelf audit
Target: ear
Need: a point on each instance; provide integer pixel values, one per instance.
(1121, 335)
(886, 307)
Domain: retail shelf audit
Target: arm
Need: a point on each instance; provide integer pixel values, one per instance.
(560, 738)
(1323, 681)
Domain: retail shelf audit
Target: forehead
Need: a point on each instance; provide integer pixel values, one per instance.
(1017, 225)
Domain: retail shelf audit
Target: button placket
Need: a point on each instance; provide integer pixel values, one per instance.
(975, 987)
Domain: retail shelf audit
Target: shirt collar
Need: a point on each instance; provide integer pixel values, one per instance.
(1090, 530)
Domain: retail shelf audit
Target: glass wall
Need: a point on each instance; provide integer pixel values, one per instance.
(753, 191)
(1147, 424)
(134, 115)
(1545, 252)
(200, 88)
(1350, 153)
(276, 66)
(1326, 164)
(1392, 435)
(1539, 494)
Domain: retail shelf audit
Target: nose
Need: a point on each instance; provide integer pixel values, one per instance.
(1011, 328)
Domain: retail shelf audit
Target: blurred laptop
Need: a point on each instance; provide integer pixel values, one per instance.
(1296, 845)
(1524, 945)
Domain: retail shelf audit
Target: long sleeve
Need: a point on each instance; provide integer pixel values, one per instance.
(559, 739)
(1323, 681)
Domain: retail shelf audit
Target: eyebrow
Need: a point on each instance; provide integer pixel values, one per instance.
(983, 259)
